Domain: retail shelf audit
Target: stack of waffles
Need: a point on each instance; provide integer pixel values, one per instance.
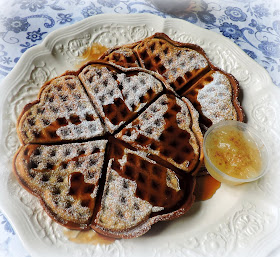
(116, 146)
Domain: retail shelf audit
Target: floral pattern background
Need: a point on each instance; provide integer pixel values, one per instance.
(254, 25)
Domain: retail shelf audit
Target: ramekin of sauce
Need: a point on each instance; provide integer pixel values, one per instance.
(235, 153)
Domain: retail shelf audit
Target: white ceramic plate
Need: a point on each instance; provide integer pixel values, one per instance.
(237, 221)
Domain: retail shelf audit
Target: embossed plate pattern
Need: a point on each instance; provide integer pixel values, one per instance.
(237, 221)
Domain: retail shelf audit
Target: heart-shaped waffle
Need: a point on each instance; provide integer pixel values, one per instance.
(212, 96)
(118, 96)
(167, 129)
(62, 113)
(96, 178)
(178, 63)
(65, 178)
(117, 149)
(138, 192)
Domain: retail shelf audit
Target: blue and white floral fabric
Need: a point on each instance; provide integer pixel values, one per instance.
(254, 25)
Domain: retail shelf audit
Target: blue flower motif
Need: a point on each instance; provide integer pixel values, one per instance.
(5, 60)
(190, 17)
(7, 225)
(33, 5)
(260, 11)
(91, 10)
(270, 49)
(235, 14)
(25, 47)
(230, 30)
(250, 53)
(206, 17)
(109, 3)
(16, 24)
(63, 18)
(35, 35)
(254, 24)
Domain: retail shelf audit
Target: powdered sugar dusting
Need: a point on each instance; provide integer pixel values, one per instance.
(194, 114)
(184, 122)
(151, 132)
(100, 84)
(82, 130)
(180, 62)
(157, 209)
(150, 123)
(123, 160)
(48, 170)
(126, 52)
(116, 215)
(141, 154)
(215, 99)
(135, 87)
(63, 99)
(103, 89)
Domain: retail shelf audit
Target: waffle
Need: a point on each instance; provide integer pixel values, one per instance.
(214, 96)
(118, 96)
(165, 129)
(95, 178)
(178, 63)
(65, 178)
(187, 70)
(123, 56)
(62, 113)
(139, 192)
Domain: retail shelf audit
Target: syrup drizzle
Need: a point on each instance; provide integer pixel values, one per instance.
(206, 187)
(87, 237)
(92, 53)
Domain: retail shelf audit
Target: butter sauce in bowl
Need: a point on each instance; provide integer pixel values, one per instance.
(235, 153)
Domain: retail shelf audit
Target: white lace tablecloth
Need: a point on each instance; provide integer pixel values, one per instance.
(254, 25)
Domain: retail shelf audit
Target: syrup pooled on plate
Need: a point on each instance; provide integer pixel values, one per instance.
(206, 186)
(87, 237)
(92, 53)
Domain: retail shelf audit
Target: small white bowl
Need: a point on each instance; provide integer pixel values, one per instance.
(251, 134)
